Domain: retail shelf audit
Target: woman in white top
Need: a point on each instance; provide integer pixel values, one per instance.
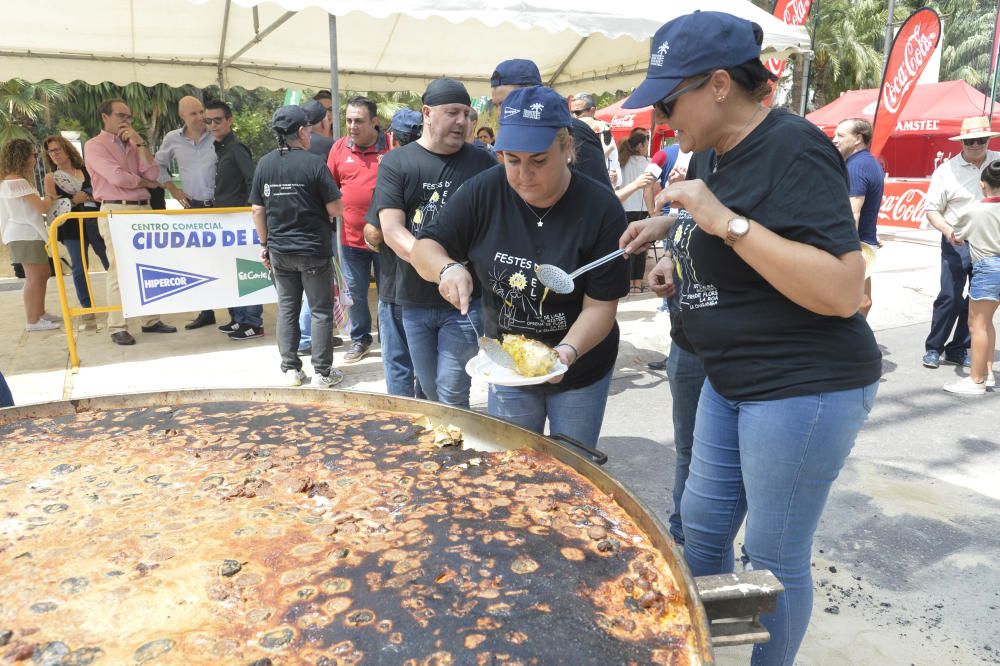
(632, 157)
(22, 229)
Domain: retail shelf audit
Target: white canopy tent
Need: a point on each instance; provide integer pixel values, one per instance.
(373, 45)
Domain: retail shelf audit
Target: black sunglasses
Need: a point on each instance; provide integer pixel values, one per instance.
(981, 141)
(666, 105)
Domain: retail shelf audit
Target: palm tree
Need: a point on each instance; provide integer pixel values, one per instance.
(23, 105)
(848, 47)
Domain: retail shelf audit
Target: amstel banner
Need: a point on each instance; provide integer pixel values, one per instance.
(187, 263)
(911, 51)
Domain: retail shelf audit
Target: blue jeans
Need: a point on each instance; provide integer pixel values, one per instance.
(6, 398)
(685, 376)
(357, 273)
(441, 342)
(305, 325)
(577, 413)
(396, 364)
(772, 462)
(92, 239)
(248, 315)
(985, 284)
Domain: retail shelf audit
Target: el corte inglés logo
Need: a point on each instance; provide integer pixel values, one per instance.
(251, 276)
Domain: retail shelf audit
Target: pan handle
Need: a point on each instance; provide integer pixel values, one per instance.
(593, 455)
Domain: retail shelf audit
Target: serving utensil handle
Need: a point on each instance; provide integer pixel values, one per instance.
(593, 455)
(597, 262)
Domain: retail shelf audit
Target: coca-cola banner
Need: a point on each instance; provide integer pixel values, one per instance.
(911, 50)
(792, 12)
(903, 203)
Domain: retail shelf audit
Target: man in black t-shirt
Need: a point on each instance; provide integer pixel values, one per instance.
(414, 184)
(518, 73)
(294, 201)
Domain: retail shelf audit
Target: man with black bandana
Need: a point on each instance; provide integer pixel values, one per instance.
(293, 202)
(518, 73)
(414, 184)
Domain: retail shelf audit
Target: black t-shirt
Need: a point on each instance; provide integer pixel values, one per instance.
(295, 186)
(754, 343)
(590, 160)
(420, 183)
(489, 225)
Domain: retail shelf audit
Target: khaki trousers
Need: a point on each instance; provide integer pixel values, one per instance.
(116, 321)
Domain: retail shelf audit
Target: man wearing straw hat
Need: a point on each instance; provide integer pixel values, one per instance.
(954, 186)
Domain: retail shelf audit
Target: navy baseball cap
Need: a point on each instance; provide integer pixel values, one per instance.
(695, 44)
(407, 121)
(530, 118)
(315, 112)
(516, 72)
(288, 119)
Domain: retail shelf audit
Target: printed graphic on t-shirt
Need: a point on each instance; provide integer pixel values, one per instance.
(521, 296)
(694, 294)
(435, 196)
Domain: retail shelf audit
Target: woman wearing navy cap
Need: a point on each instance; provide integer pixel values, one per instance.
(772, 282)
(504, 222)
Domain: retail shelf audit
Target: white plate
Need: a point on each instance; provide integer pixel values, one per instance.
(481, 367)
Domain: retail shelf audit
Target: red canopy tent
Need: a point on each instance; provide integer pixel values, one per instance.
(933, 114)
(623, 121)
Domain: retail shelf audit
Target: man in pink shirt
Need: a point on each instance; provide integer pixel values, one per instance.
(121, 169)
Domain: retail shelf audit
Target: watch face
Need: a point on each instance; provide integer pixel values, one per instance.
(739, 226)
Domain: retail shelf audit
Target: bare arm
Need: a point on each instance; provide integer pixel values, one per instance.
(455, 286)
(334, 208)
(49, 186)
(39, 204)
(593, 325)
(628, 190)
(259, 215)
(649, 196)
(856, 204)
(395, 233)
(938, 222)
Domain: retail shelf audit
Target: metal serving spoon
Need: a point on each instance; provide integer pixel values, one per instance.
(561, 282)
(492, 348)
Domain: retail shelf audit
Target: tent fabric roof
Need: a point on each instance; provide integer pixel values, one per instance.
(382, 45)
(934, 109)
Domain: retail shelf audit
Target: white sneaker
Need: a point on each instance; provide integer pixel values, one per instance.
(965, 386)
(332, 379)
(294, 377)
(47, 316)
(41, 325)
(991, 380)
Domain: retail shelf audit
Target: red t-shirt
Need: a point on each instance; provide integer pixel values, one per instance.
(355, 170)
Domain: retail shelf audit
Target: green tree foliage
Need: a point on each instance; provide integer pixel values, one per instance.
(26, 107)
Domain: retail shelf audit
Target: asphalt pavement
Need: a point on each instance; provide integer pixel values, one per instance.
(905, 556)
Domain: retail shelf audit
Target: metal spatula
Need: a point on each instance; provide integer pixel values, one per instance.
(561, 282)
(492, 348)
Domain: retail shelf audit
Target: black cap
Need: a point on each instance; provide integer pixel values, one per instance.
(446, 91)
(288, 119)
(315, 112)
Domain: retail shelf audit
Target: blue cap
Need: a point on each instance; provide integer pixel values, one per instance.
(530, 118)
(288, 119)
(516, 72)
(694, 44)
(406, 121)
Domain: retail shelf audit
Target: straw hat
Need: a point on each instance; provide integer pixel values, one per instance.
(975, 128)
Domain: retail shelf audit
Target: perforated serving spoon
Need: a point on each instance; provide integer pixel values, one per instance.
(561, 282)
(492, 348)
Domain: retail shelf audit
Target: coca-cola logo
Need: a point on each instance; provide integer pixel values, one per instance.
(796, 12)
(907, 206)
(627, 120)
(918, 47)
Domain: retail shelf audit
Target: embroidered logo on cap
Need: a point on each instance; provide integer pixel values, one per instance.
(656, 59)
(534, 112)
(509, 111)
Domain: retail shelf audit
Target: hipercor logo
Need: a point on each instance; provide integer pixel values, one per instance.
(157, 283)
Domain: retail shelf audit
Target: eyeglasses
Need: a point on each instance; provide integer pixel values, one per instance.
(981, 141)
(124, 116)
(214, 121)
(53, 151)
(578, 113)
(666, 105)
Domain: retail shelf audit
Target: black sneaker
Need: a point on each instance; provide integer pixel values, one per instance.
(357, 352)
(229, 328)
(246, 332)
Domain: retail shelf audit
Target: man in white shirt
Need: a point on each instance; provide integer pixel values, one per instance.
(954, 186)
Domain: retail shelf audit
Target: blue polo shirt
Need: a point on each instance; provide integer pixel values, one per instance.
(866, 180)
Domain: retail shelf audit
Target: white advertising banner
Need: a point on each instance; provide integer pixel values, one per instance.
(187, 263)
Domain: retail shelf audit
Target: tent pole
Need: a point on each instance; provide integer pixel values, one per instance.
(222, 50)
(335, 125)
(258, 37)
(890, 19)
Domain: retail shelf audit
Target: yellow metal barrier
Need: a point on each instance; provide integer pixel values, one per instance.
(67, 312)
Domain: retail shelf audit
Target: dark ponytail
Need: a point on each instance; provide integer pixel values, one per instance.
(629, 147)
(991, 175)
